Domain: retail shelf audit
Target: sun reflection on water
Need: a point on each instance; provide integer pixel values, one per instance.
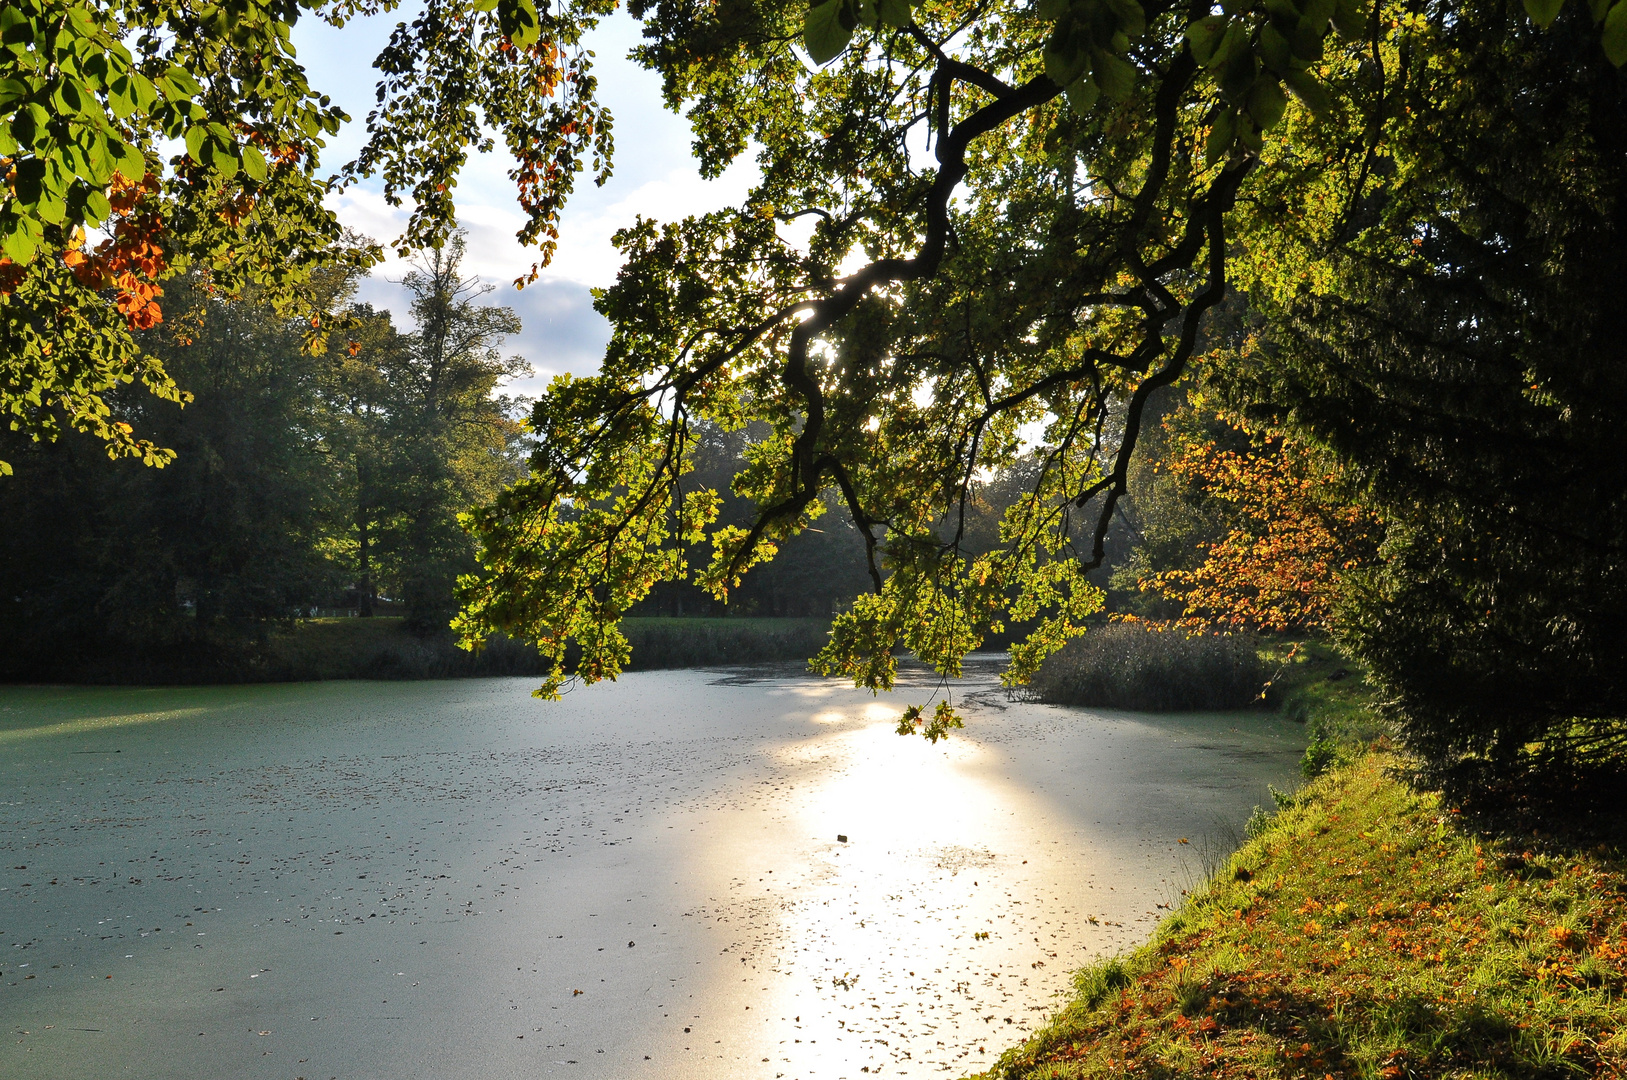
(918, 945)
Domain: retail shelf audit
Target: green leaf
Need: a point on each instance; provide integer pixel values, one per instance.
(1615, 34)
(12, 90)
(254, 163)
(1236, 40)
(1065, 61)
(1543, 12)
(1052, 10)
(1221, 137)
(12, 18)
(19, 245)
(1132, 19)
(1598, 9)
(823, 32)
(96, 69)
(1307, 39)
(221, 158)
(1203, 36)
(1267, 103)
(31, 125)
(101, 162)
(84, 22)
(29, 181)
(132, 165)
(893, 12)
(484, 5)
(195, 136)
(1083, 95)
(1350, 18)
(181, 82)
(1275, 51)
(145, 93)
(519, 22)
(120, 97)
(1114, 74)
(1237, 79)
(1309, 90)
(97, 208)
(51, 210)
(1320, 12)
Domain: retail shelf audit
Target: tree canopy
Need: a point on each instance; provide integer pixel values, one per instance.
(1023, 217)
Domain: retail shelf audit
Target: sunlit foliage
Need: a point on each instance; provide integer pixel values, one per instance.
(188, 136)
(1297, 533)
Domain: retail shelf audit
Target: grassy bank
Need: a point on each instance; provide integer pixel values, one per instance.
(1364, 931)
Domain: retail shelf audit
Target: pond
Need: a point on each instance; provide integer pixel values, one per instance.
(452, 879)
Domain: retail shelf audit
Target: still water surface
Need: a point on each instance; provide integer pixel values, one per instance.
(451, 879)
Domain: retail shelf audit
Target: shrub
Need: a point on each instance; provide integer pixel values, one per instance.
(1094, 983)
(1132, 666)
(1320, 756)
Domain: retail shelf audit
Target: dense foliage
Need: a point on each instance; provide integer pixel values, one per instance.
(986, 237)
(1240, 530)
(1449, 335)
(300, 482)
(188, 137)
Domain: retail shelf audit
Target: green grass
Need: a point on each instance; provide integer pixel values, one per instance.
(1363, 931)
(1312, 683)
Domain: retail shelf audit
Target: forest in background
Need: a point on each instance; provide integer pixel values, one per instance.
(312, 485)
(1308, 308)
(304, 482)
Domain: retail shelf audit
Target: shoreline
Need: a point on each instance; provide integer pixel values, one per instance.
(380, 648)
(1364, 931)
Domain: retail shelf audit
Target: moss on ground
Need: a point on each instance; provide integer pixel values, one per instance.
(1364, 931)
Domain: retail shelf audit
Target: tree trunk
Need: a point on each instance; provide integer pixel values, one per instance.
(364, 566)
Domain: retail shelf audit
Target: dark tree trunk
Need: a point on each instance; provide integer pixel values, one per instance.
(364, 565)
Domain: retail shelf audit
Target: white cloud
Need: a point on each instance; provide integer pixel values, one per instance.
(655, 176)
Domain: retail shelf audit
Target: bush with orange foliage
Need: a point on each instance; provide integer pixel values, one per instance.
(1294, 535)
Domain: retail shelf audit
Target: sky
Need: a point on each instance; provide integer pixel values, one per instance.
(655, 175)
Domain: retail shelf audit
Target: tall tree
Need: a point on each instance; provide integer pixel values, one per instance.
(358, 421)
(453, 441)
(1443, 318)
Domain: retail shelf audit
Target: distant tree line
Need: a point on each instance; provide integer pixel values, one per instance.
(301, 481)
